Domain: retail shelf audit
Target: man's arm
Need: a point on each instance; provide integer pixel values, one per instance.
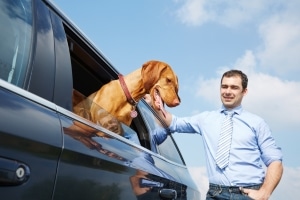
(273, 176)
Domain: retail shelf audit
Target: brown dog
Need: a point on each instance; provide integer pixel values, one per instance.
(119, 97)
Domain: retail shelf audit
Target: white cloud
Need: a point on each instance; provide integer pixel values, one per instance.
(208, 89)
(193, 13)
(200, 178)
(277, 24)
(281, 41)
(287, 188)
(275, 100)
(289, 184)
(230, 13)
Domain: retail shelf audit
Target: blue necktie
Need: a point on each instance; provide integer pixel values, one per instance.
(222, 157)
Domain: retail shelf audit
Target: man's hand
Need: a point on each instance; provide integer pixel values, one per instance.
(158, 106)
(273, 176)
(256, 194)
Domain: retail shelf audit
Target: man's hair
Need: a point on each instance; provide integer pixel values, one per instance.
(239, 73)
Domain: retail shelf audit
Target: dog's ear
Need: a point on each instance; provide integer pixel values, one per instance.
(151, 71)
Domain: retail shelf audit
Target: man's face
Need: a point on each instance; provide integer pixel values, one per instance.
(232, 91)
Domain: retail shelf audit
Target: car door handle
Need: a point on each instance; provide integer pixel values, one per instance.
(168, 193)
(13, 172)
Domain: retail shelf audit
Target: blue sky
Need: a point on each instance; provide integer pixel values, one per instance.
(201, 39)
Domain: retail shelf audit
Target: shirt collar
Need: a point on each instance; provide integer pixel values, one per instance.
(237, 110)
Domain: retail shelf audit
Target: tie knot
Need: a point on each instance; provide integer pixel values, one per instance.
(229, 113)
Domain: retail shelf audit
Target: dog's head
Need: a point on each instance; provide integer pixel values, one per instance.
(159, 79)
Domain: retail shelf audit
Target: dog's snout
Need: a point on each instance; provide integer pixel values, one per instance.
(176, 102)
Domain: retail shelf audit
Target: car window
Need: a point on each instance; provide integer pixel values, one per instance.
(90, 72)
(161, 140)
(15, 39)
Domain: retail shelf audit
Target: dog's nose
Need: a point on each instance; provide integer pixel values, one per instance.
(176, 102)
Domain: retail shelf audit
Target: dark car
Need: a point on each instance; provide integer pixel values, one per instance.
(49, 152)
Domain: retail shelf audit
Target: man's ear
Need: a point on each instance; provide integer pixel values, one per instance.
(245, 91)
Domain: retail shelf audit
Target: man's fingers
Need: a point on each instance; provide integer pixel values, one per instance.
(244, 190)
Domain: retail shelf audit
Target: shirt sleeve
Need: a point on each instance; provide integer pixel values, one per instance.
(159, 135)
(185, 124)
(270, 152)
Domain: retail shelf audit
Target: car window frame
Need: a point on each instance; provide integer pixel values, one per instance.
(153, 124)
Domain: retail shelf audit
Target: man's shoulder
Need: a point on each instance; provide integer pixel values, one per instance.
(251, 116)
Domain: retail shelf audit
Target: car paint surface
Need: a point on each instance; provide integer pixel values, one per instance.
(48, 152)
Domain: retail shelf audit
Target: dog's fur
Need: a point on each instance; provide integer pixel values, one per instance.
(154, 77)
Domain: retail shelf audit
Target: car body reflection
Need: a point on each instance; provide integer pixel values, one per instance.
(146, 180)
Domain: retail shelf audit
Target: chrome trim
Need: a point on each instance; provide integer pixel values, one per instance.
(27, 95)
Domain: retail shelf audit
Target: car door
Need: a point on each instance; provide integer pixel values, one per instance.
(30, 144)
(30, 131)
(108, 166)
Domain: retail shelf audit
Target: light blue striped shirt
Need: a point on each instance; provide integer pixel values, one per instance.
(252, 147)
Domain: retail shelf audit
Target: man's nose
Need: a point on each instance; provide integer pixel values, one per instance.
(227, 91)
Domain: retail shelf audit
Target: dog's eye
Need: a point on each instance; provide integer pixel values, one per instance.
(168, 80)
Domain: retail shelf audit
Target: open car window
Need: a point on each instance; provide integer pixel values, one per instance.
(90, 72)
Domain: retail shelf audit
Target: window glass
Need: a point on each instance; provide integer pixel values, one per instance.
(161, 141)
(15, 39)
(81, 107)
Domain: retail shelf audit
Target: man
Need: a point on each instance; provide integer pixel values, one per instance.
(242, 174)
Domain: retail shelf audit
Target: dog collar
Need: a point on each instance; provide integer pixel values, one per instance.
(129, 98)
